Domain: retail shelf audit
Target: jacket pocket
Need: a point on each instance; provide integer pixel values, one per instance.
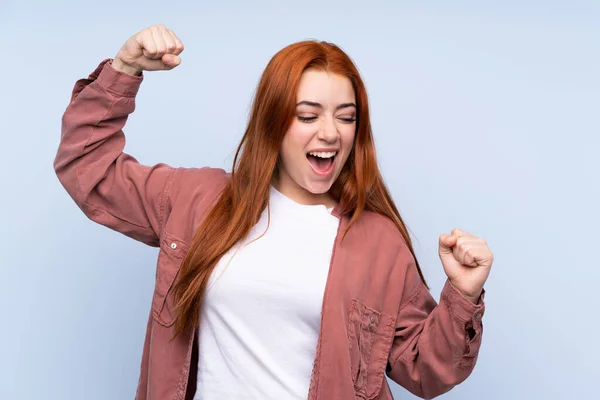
(170, 257)
(370, 335)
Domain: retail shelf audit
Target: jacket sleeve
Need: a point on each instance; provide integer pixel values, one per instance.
(108, 185)
(435, 346)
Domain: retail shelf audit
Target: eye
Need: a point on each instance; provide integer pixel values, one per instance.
(306, 119)
(348, 120)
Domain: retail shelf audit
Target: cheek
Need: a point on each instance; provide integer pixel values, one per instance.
(347, 136)
(296, 139)
(294, 142)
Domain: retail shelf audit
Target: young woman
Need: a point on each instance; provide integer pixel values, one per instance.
(292, 276)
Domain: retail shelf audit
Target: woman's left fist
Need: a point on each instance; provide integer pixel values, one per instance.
(467, 261)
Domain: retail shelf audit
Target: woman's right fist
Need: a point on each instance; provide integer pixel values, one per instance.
(152, 49)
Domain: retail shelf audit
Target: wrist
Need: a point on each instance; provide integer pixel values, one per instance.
(120, 66)
(472, 297)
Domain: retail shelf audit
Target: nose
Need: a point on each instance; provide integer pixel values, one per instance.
(328, 131)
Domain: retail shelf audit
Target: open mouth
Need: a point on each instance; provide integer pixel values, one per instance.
(322, 162)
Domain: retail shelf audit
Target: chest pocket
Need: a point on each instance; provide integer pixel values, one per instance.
(370, 334)
(170, 257)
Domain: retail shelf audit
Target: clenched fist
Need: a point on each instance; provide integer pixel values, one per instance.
(467, 261)
(152, 49)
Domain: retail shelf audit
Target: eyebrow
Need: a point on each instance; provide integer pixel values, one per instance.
(319, 105)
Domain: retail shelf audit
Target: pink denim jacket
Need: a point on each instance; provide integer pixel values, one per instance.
(378, 318)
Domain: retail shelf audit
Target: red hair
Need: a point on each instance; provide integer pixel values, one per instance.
(359, 187)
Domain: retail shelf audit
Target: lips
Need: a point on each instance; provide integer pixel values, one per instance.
(321, 166)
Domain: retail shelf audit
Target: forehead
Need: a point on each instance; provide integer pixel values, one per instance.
(325, 87)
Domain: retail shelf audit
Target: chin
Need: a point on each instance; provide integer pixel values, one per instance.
(318, 187)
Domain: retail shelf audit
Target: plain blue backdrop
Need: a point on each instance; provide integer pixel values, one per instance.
(486, 118)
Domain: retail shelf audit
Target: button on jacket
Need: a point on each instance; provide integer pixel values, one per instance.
(378, 318)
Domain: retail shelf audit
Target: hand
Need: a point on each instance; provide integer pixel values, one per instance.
(467, 261)
(152, 49)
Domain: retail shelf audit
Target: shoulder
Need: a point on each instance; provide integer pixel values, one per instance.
(379, 229)
(193, 190)
(379, 236)
(198, 181)
(190, 193)
(202, 175)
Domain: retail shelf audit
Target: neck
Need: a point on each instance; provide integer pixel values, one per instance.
(302, 196)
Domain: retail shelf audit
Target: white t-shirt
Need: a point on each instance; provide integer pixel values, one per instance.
(261, 314)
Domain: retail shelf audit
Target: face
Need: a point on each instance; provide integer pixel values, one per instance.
(320, 138)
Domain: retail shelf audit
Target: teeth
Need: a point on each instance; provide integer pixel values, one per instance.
(323, 154)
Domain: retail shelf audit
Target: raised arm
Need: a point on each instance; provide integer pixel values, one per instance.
(110, 186)
(436, 345)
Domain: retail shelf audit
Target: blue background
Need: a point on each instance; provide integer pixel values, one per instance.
(486, 118)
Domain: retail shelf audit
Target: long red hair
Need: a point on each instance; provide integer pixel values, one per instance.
(359, 187)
